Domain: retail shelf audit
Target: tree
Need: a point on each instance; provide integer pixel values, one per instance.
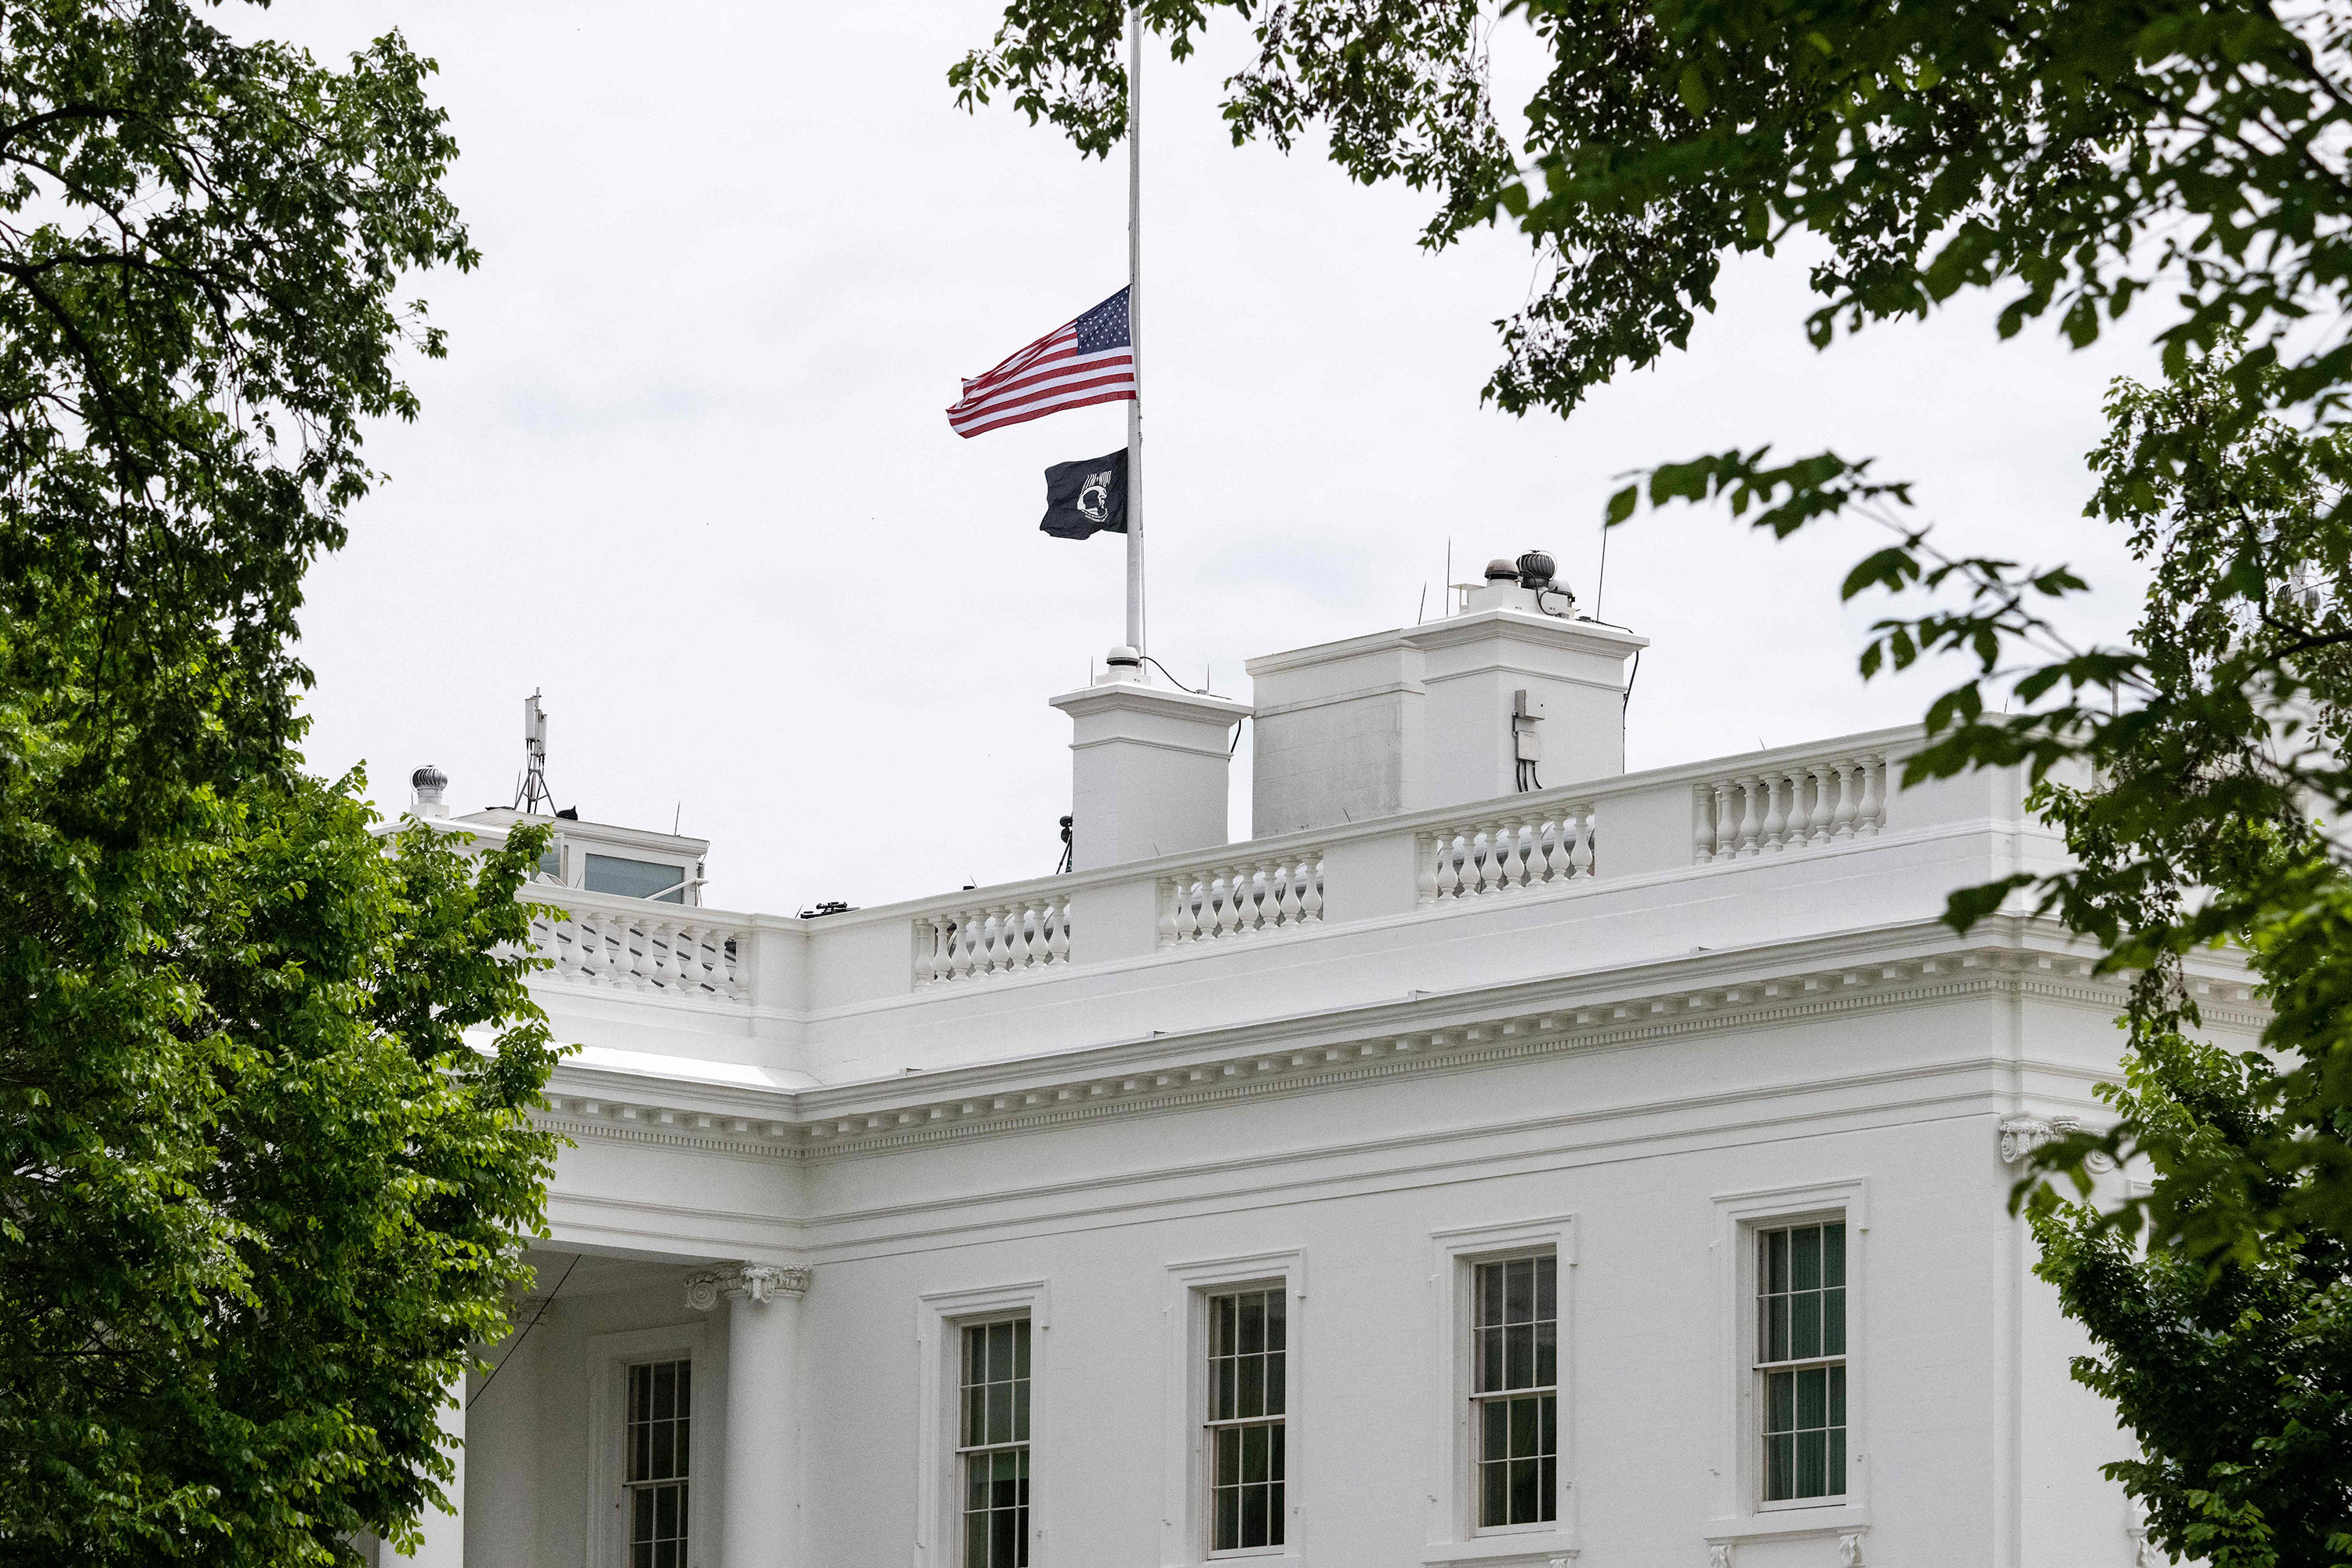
(265, 1078)
(2076, 155)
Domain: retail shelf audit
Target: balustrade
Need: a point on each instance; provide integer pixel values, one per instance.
(993, 939)
(643, 951)
(1242, 898)
(1534, 847)
(1789, 806)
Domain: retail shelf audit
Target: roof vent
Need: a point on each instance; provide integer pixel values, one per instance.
(1501, 571)
(428, 782)
(1536, 570)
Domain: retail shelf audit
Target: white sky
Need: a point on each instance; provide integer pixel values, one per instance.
(686, 468)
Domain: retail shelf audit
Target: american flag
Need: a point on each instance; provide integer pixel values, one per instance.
(1090, 360)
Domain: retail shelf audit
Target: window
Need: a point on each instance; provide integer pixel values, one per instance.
(660, 1413)
(1515, 1391)
(1800, 1361)
(993, 1443)
(635, 879)
(1247, 1408)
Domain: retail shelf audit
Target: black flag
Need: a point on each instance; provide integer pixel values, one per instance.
(1087, 498)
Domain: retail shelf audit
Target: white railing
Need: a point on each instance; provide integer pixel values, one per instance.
(645, 951)
(1789, 807)
(1506, 849)
(993, 939)
(1242, 897)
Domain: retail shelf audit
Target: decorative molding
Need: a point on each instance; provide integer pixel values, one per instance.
(759, 1282)
(1719, 1555)
(790, 1128)
(2022, 1135)
(1849, 1550)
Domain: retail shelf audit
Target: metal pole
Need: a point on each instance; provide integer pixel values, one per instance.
(1134, 324)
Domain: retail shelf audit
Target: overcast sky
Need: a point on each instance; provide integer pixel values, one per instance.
(686, 470)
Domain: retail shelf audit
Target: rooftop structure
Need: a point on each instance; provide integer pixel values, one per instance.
(1498, 1158)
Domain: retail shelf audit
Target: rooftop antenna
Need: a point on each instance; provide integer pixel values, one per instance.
(531, 794)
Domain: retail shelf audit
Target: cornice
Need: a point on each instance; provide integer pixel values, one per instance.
(1169, 1073)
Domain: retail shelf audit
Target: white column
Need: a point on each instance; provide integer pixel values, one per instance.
(443, 1542)
(760, 1523)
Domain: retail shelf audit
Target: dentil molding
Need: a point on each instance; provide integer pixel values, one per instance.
(790, 1130)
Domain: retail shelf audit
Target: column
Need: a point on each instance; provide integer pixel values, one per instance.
(443, 1542)
(760, 1523)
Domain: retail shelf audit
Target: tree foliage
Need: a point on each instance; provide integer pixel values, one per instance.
(264, 1080)
(2072, 153)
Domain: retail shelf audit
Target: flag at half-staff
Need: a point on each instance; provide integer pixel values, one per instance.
(1083, 361)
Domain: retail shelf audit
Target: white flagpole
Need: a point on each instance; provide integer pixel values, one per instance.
(1134, 323)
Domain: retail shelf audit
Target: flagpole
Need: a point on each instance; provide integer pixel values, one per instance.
(1134, 323)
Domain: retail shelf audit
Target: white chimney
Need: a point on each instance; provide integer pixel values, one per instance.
(1445, 713)
(1148, 767)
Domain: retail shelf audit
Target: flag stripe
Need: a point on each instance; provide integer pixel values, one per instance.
(1124, 395)
(1053, 373)
(1045, 381)
(1100, 390)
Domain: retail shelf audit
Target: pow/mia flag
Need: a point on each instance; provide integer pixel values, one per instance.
(1087, 498)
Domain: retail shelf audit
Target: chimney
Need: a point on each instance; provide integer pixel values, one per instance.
(1511, 692)
(1148, 766)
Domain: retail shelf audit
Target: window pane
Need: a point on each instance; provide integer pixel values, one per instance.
(1547, 1289)
(1253, 1386)
(1812, 1398)
(1805, 1259)
(1833, 1322)
(1811, 1478)
(1523, 1427)
(1776, 1329)
(1779, 1401)
(1253, 1454)
(1547, 1488)
(1776, 1274)
(1520, 1292)
(1837, 1397)
(1805, 1325)
(1252, 1316)
(1837, 1462)
(1490, 1294)
(1518, 1355)
(1278, 1309)
(1490, 1359)
(1222, 1407)
(1221, 1312)
(1229, 1457)
(1275, 1393)
(1229, 1520)
(685, 1389)
(1780, 1467)
(1494, 1494)
(1834, 1255)
(1523, 1491)
(1547, 1354)
(1021, 1349)
(1254, 1529)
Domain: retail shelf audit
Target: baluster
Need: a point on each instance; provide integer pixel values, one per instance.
(1188, 908)
(959, 937)
(726, 960)
(1820, 819)
(1849, 798)
(931, 951)
(1727, 820)
(1748, 822)
(1311, 897)
(1873, 815)
(563, 946)
(1217, 893)
(1701, 824)
(1441, 877)
(1425, 880)
(1257, 896)
(1776, 812)
(1519, 853)
(1058, 950)
(661, 955)
(1293, 889)
(1583, 816)
(1008, 938)
(686, 957)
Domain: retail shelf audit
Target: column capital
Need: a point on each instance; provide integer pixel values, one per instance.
(757, 1282)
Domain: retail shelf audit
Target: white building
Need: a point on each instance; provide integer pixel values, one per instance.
(1609, 1172)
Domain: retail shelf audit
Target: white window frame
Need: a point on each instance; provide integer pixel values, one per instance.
(1184, 1520)
(1454, 1535)
(610, 1356)
(1741, 1512)
(940, 1319)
